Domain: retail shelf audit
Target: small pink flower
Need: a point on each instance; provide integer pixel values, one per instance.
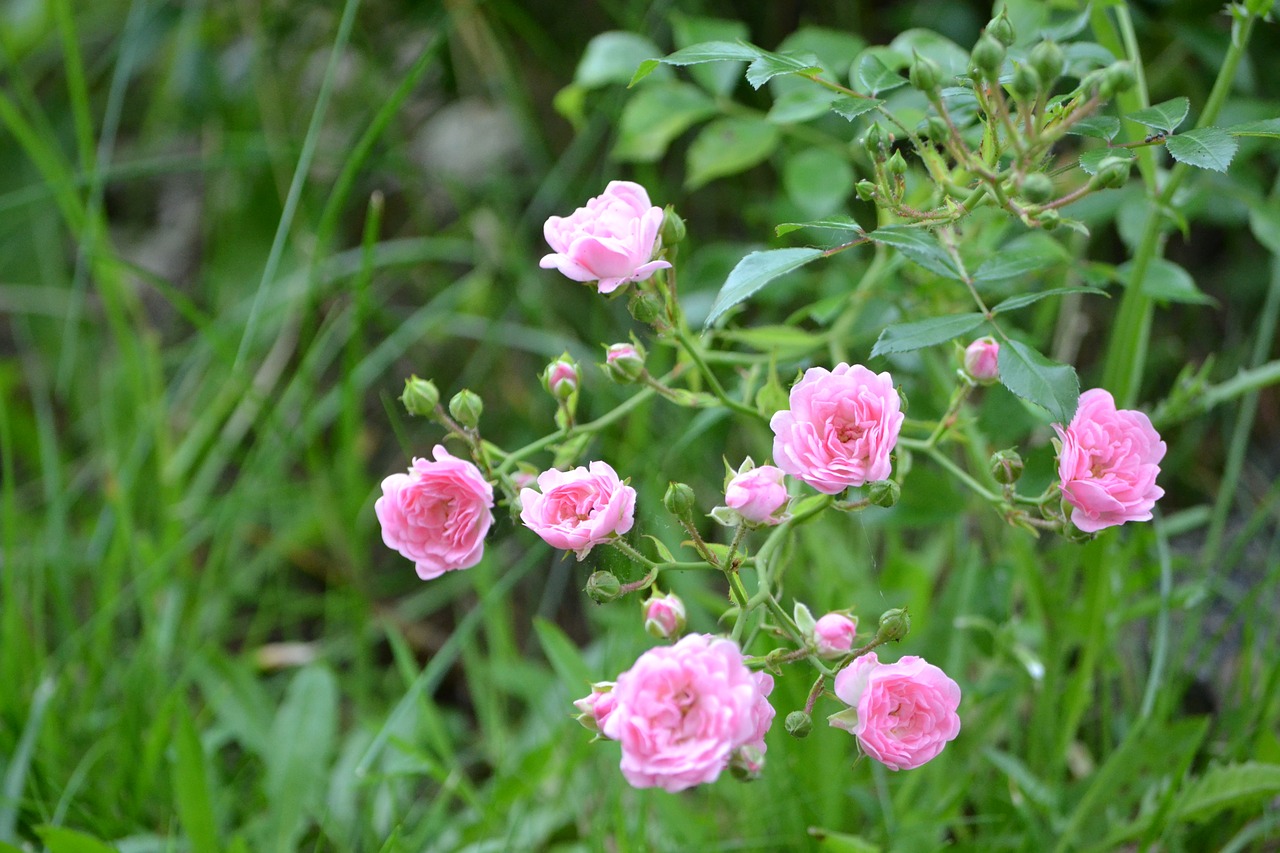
(683, 712)
(664, 616)
(758, 495)
(840, 429)
(1108, 463)
(833, 634)
(611, 241)
(579, 509)
(982, 360)
(902, 713)
(436, 515)
(624, 362)
(561, 378)
(596, 707)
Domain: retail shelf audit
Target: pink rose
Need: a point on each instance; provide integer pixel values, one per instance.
(664, 616)
(436, 515)
(982, 360)
(833, 634)
(758, 495)
(840, 429)
(902, 713)
(561, 378)
(596, 707)
(1108, 463)
(610, 241)
(579, 509)
(683, 712)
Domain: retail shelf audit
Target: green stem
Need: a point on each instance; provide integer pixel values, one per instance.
(592, 426)
(636, 556)
(695, 352)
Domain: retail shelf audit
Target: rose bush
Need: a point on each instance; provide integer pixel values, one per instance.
(579, 509)
(610, 241)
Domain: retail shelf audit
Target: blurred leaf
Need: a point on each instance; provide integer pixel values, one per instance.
(297, 756)
(874, 71)
(817, 180)
(1269, 128)
(952, 58)
(59, 839)
(840, 842)
(1066, 28)
(727, 146)
(920, 246)
(1022, 300)
(688, 30)
(1205, 148)
(905, 337)
(1264, 222)
(833, 223)
(563, 655)
(1164, 117)
(655, 116)
(1029, 257)
(1166, 280)
(754, 272)
(1098, 127)
(191, 786)
(801, 105)
(1084, 56)
(785, 341)
(1040, 793)
(1225, 787)
(612, 57)
(851, 107)
(1089, 160)
(1031, 376)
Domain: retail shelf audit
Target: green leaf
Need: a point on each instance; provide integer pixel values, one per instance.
(719, 78)
(754, 272)
(562, 654)
(1269, 128)
(1029, 258)
(920, 246)
(817, 180)
(1165, 117)
(59, 839)
(876, 76)
(1167, 281)
(833, 223)
(696, 54)
(612, 58)
(727, 146)
(770, 65)
(1024, 299)
(905, 337)
(801, 105)
(1031, 376)
(1228, 786)
(1089, 160)
(784, 341)
(830, 841)
(191, 786)
(1098, 127)
(851, 107)
(1204, 148)
(298, 753)
(655, 116)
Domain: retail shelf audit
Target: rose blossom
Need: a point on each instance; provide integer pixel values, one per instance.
(610, 241)
(982, 360)
(436, 515)
(579, 509)
(683, 712)
(758, 495)
(902, 713)
(833, 634)
(596, 707)
(664, 615)
(840, 429)
(1108, 463)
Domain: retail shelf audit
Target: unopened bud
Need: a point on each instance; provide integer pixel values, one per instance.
(746, 764)
(866, 190)
(624, 362)
(466, 408)
(1001, 28)
(679, 500)
(1112, 172)
(1026, 83)
(560, 377)
(798, 724)
(982, 360)
(1048, 61)
(603, 587)
(937, 129)
(1119, 76)
(897, 164)
(1037, 187)
(1006, 466)
(925, 74)
(673, 230)
(1048, 219)
(988, 56)
(645, 307)
(664, 616)
(595, 708)
(883, 492)
(894, 625)
(875, 142)
(420, 396)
